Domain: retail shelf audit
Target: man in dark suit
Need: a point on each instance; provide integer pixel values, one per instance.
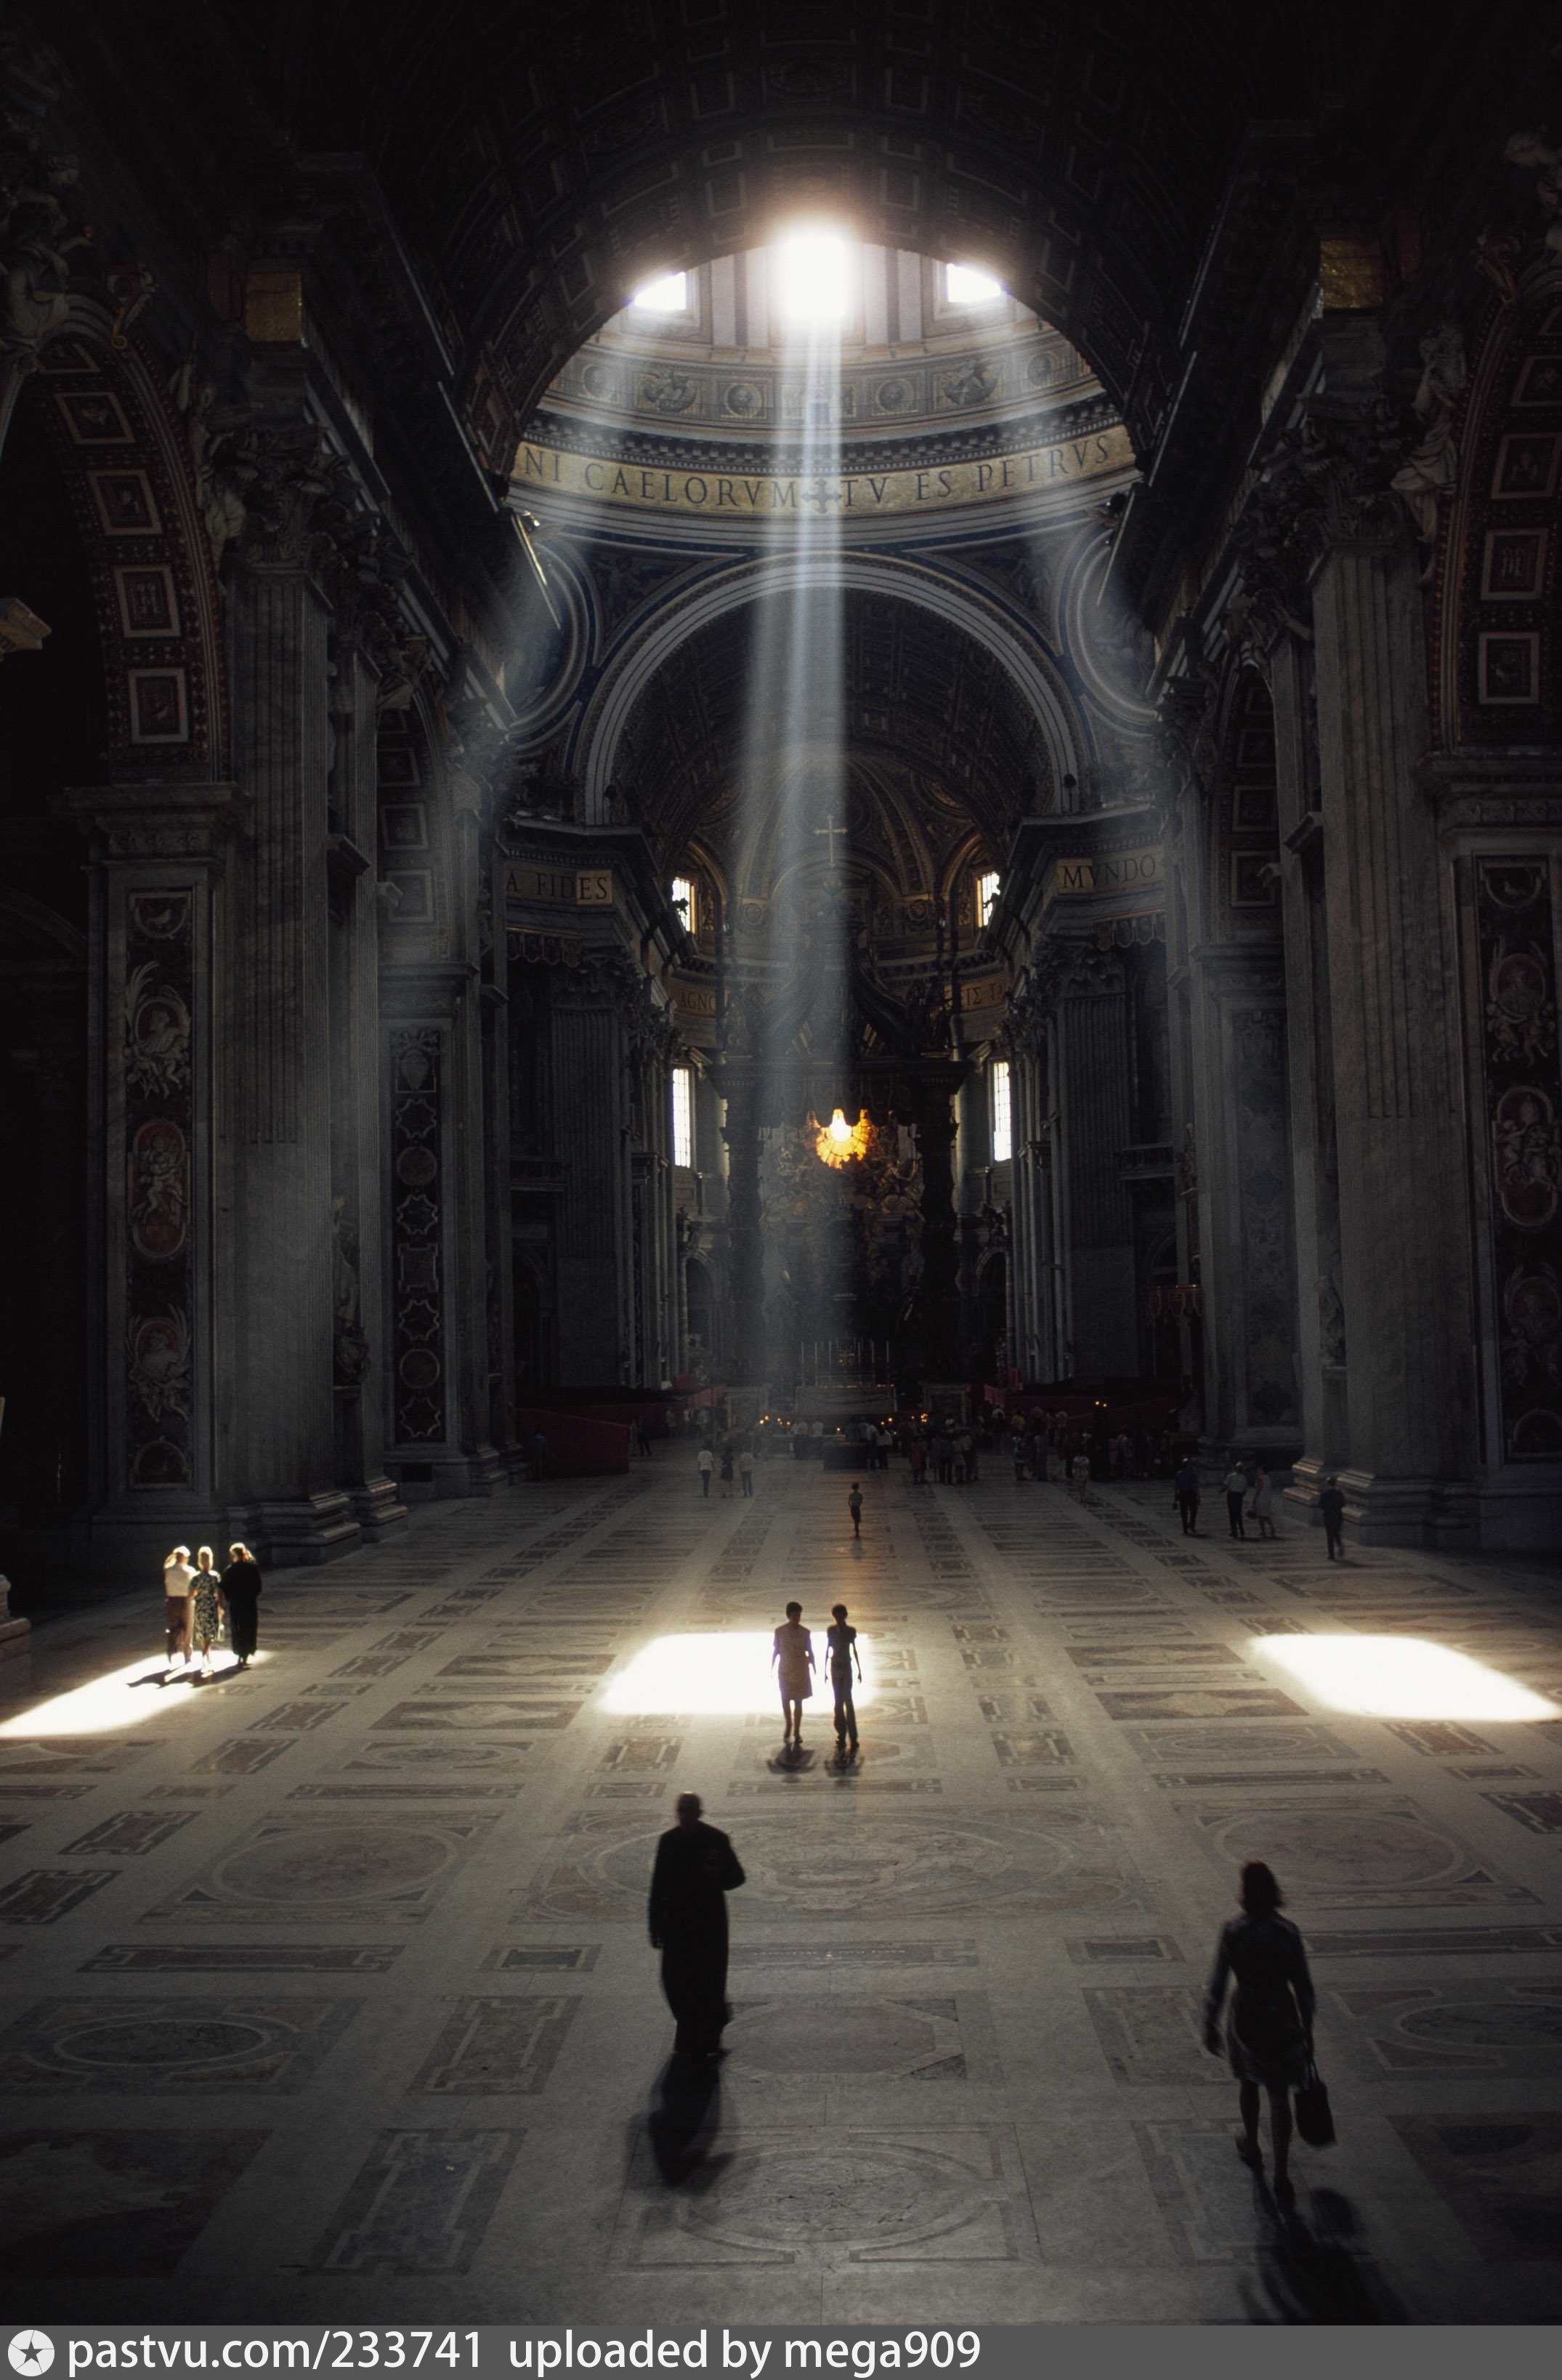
(695, 1868)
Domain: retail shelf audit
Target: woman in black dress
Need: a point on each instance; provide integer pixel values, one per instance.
(1269, 2031)
(241, 1592)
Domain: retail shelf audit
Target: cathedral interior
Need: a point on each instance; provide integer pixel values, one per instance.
(719, 715)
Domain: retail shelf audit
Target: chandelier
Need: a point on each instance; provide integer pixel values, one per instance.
(839, 1142)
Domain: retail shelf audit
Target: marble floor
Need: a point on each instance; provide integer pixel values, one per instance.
(325, 1990)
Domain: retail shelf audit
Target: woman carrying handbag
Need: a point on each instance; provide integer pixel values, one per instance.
(1269, 2031)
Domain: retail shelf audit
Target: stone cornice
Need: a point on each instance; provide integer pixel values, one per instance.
(155, 821)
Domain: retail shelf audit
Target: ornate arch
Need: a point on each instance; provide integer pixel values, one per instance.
(131, 480)
(1496, 677)
(1243, 895)
(599, 735)
(415, 830)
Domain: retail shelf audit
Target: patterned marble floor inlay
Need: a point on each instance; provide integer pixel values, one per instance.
(327, 1996)
(1501, 2174)
(97, 2204)
(496, 2048)
(171, 2046)
(422, 2202)
(329, 1871)
(954, 2196)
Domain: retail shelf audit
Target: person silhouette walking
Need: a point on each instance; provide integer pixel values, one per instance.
(695, 1868)
(791, 1656)
(841, 1640)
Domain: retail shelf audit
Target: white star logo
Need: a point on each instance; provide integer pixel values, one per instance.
(30, 2351)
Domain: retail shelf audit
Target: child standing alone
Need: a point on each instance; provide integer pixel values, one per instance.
(855, 1506)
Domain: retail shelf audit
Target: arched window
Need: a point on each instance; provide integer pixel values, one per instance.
(670, 294)
(963, 286)
(683, 1116)
(1002, 1120)
(681, 893)
(988, 887)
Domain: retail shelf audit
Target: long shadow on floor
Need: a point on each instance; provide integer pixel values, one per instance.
(685, 2120)
(1319, 2271)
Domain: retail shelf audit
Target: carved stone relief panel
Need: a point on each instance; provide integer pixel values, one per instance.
(159, 1111)
(417, 1235)
(1522, 1102)
(1258, 1044)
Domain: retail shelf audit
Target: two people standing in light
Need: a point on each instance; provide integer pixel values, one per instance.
(791, 1656)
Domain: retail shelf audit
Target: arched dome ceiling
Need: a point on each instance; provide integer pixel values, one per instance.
(940, 746)
(543, 170)
(913, 364)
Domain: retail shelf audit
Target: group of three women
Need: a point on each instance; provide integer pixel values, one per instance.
(196, 1599)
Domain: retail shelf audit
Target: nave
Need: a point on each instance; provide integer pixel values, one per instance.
(326, 1992)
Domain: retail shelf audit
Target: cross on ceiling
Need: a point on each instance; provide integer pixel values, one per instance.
(830, 829)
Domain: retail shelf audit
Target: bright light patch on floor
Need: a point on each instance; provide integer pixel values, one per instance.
(668, 296)
(1402, 1677)
(722, 1676)
(103, 1705)
(963, 286)
(811, 276)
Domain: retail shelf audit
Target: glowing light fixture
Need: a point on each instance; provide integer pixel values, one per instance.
(963, 286)
(717, 1675)
(811, 276)
(837, 1142)
(122, 1698)
(1402, 1677)
(668, 296)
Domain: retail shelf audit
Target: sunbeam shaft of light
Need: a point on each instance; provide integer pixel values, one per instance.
(718, 1676)
(794, 783)
(103, 1705)
(1401, 1676)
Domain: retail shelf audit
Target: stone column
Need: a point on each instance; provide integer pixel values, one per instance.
(1244, 1188)
(438, 1405)
(590, 1034)
(473, 1316)
(359, 1347)
(161, 1377)
(938, 1295)
(278, 1413)
(1321, 1333)
(741, 1131)
(1404, 1211)
(1020, 1253)
(1090, 1042)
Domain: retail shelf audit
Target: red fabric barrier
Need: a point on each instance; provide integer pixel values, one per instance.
(578, 1445)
